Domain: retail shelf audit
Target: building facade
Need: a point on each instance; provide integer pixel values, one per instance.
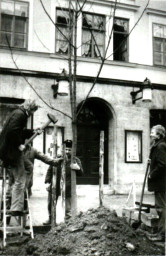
(34, 52)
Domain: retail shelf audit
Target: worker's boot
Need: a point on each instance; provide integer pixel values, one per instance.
(48, 222)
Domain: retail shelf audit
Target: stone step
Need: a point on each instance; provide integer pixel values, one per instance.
(131, 215)
(149, 219)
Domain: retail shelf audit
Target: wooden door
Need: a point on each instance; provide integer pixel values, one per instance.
(88, 152)
(91, 121)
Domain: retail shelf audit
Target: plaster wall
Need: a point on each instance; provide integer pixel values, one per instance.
(85, 67)
(125, 117)
(15, 86)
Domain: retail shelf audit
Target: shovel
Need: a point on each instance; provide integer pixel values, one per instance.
(137, 223)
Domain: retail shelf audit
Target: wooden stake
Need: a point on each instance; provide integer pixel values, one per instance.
(101, 168)
(54, 180)
(63, 183)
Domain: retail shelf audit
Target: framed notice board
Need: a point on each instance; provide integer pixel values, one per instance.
(133, 146)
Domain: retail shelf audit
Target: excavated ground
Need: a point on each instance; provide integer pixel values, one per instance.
(97, 232)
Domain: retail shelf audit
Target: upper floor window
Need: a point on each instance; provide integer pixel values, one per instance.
(93, 35)
(62, 32)
(120, 42)
(159, 44)
(14, 24)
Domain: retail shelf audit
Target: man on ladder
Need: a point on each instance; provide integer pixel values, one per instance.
(11, 151)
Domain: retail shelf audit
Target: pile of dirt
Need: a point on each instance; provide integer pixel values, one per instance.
(98, 232)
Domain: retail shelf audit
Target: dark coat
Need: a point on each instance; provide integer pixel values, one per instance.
(12, 136)
(157, 174)
(48, 178)
(31, 154)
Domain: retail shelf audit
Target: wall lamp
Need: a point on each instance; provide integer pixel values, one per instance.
(145, 90)
(61, 86)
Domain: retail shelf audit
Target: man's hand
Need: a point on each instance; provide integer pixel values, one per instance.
(60, 159)
(74, 166)
(21, 147)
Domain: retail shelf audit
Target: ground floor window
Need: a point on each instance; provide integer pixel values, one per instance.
(157, 116)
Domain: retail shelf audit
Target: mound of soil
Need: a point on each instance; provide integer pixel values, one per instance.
(98, 232)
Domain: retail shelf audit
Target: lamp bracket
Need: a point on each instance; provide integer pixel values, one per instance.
(134, 94)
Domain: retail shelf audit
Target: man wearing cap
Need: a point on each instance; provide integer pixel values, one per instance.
(157, 177)
(11, 151)
(77, 166)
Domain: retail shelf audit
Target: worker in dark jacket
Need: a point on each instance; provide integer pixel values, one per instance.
(30, 155)
(48, 180)
(157, 176)
(77, 166)
(11, 151)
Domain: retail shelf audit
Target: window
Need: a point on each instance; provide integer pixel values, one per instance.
(120, 42)
(62, 32)
(159, 44)
(14, 23)
(157, 116)
(93, 35)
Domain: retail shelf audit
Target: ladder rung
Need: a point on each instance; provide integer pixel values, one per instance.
(16, 228)
(8, 213)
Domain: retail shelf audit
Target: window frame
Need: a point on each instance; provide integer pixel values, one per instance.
(93, 30)
(26, 34)
(123, 33)
(163, 39)
(57, 31)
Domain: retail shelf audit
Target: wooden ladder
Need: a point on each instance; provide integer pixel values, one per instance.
(20, 226)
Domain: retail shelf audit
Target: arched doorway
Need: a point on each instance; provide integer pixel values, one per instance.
(93, 118)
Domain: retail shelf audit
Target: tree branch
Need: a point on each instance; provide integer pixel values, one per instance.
(130, 30)
(101, 66)
(109, 55)
(11, 51)
(41, 41)
(55, 23)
